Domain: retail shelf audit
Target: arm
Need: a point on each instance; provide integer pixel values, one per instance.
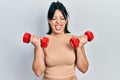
(38, 62)
(82, 62)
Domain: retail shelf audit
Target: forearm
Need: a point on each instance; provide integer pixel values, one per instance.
(82, 62)
(38, 62)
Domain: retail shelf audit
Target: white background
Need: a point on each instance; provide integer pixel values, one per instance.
(102, 17)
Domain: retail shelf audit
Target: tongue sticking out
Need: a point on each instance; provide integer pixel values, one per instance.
(58, 27)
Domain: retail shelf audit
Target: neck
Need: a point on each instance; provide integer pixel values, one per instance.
(58, 35)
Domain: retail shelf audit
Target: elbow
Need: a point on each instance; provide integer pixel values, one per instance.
(37, 71)
(83, 68)
(84, 71)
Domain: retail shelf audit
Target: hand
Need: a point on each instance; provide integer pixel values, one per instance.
(35, 40)
(83, 40)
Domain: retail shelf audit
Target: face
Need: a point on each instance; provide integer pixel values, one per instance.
(58, 22)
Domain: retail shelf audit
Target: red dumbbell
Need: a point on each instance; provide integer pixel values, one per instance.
(44, 41)
(75, 42)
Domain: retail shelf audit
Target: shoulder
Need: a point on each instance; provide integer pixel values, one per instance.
(71, 35)
(46, 36)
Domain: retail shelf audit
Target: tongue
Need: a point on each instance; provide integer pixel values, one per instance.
(58, 27)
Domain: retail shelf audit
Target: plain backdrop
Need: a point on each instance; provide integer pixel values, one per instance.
(102, 17)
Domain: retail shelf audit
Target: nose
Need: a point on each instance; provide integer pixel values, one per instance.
(58, 20)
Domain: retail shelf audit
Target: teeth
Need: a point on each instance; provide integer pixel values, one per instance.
(58, 27)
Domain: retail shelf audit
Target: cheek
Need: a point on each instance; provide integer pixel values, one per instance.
(51, 24)
(65, 23)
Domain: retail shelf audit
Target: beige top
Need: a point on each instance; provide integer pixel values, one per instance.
(59, 58)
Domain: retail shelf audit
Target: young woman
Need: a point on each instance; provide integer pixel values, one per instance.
(58, 60)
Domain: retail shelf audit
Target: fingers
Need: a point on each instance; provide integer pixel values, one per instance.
(35, 40)
(83, 40)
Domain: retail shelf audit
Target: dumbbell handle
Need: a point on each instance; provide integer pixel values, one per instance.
(75, 42)
(44, 41)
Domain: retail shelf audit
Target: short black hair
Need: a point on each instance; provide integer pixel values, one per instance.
(53, 7)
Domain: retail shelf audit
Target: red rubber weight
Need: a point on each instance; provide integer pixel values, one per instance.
(74, 42)
(44, 42)
(89, 35)
(26, 37)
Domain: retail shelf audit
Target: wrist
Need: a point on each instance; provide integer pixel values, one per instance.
(38, 47)
(80, 47)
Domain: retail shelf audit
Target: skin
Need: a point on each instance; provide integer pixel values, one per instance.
(58, 20)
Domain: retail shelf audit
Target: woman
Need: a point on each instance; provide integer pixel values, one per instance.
(58, 60)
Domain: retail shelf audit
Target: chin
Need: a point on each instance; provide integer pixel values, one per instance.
(58, 31)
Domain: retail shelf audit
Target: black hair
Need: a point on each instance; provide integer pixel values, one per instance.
(53, 7)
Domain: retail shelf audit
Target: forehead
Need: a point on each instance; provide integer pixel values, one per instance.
(58, 13)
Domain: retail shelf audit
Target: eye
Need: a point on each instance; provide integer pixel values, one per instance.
(62, 18)
(54, 18)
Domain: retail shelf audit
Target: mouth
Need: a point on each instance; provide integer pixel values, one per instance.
(58, 27)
